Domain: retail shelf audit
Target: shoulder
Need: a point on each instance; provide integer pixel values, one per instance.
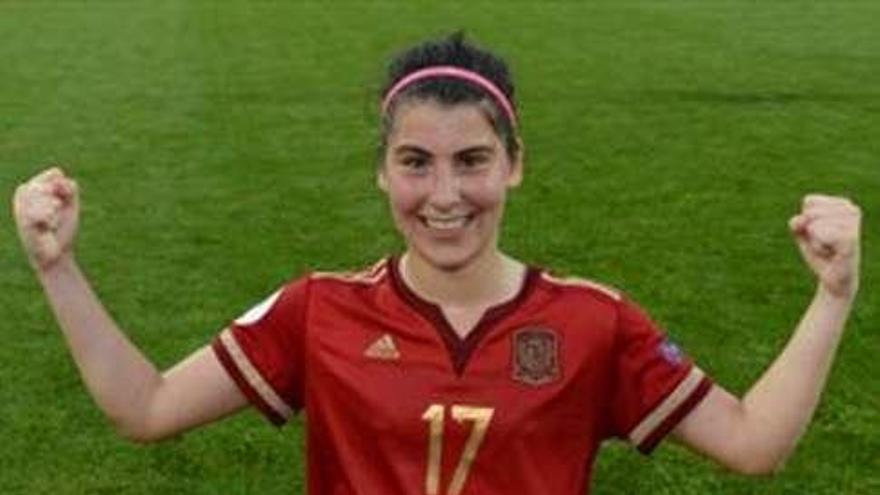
(363, 277)
(349, 285)
(579, 299)
(580, 286)
(294, 296)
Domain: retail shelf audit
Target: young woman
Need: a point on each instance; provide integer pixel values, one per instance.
(452, 368)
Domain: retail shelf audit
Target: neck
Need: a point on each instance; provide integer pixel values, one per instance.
(486, 281)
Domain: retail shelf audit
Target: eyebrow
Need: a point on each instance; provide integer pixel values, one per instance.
(411, 148)
(482, 148)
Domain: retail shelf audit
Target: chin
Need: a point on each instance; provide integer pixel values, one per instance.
(448, 259)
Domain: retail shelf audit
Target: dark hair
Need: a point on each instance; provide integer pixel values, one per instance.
(454, 51)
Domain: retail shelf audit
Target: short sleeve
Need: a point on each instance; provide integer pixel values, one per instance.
(264, 352)
(655, 384)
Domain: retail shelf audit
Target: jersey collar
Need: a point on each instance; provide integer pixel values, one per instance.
(461, 349)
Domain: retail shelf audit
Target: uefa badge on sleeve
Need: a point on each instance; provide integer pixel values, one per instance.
(535, 356)
(671, 352)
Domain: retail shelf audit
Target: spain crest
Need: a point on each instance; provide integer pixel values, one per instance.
(535, 356)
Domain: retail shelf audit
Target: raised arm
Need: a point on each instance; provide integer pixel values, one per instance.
(756, 434)
(143, 404)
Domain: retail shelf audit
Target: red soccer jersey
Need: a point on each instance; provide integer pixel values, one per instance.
(397, 403)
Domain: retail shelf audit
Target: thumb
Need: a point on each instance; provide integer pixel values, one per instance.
(43, 248)
(798, 225)
(808, 238)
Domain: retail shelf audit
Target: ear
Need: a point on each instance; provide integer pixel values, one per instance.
(516, 166)
(381, 178)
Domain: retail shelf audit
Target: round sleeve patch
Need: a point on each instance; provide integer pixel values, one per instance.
(257, 313)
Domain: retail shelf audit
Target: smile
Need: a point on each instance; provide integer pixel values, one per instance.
(446, 223)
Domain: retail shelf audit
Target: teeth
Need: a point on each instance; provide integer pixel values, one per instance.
(446, 223)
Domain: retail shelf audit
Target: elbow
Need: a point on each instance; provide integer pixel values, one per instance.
(759, 466)
(141, 426)
(139, 433)
(758, 451)
(136, 435)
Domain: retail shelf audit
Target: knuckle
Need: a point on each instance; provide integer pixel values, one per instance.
(17, 195)
(857, 210)
(845, 202)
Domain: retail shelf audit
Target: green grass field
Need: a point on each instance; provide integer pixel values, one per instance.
(223, 147)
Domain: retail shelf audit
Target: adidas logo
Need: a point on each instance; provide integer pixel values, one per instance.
(383, 348)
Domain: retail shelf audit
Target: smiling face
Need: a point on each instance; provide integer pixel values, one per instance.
(446, 173)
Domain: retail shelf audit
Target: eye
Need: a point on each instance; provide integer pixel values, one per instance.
(414, 162)
(474, 160)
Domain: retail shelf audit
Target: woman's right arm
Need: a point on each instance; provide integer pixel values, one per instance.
(143, 404)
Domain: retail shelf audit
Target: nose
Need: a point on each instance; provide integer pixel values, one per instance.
(445, 191)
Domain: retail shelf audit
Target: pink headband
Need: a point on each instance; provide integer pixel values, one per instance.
(454, 72)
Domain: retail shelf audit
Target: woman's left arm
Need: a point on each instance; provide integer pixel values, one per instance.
(756, 434)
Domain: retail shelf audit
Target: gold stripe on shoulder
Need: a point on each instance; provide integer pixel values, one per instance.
(369, 276)
(378, 266)
(582, 282)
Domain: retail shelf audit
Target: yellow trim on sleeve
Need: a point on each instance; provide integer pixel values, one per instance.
(253, 377)
(656, 417)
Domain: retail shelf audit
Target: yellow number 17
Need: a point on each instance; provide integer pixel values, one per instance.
(434, 415)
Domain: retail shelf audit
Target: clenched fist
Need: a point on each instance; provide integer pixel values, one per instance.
(827, 233)
(46, 210)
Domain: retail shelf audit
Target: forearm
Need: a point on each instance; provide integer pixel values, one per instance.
(118, 376)
(143, 404)
(756, 434)
(778, 408)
